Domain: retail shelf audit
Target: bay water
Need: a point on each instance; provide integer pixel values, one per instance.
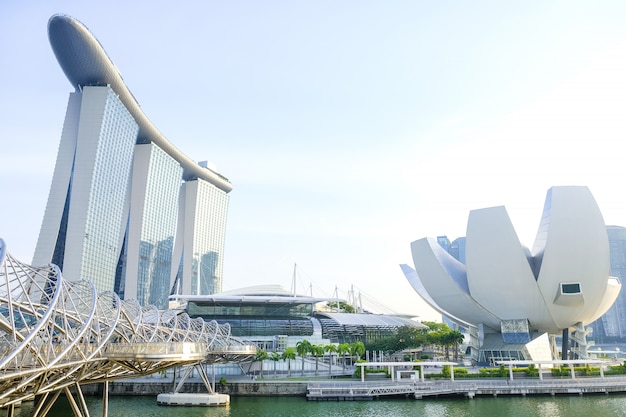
(559, 406)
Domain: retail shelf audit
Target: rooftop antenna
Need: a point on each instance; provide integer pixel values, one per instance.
(352, 297)
(360, 310)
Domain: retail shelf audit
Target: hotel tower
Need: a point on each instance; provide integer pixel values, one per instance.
(127, 210)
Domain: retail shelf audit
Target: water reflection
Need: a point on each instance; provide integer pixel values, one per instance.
(563, 406)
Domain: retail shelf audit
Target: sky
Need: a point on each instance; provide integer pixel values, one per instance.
(348, 128)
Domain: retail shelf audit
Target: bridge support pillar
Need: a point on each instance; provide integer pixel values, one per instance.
(105, 399)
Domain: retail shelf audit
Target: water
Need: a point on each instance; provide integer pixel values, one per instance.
(560, 406)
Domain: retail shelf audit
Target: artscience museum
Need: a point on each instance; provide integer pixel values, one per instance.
(516, 301)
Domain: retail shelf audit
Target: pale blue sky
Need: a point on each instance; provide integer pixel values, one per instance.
(348, 128)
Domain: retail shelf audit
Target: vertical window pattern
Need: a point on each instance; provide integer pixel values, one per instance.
(158, 228)
(208, 242)
(108, 193)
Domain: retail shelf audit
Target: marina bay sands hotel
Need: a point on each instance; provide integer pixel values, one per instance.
(127, 210)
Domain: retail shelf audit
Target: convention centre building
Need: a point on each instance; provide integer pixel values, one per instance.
(275, 319)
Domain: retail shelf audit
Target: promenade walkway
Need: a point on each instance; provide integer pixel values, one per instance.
(354, 391)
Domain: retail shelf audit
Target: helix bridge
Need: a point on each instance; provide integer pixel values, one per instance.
(57, 335)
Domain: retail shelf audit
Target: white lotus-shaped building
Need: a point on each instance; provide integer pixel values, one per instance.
(505, 289)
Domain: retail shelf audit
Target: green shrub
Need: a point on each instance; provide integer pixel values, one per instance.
(531, 371)
(560, 371)
(460, 372)
(357, 371)
(445, 373)
(615, 370)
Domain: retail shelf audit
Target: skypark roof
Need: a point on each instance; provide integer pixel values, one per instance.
(85, 63)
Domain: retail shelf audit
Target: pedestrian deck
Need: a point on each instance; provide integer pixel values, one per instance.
(355, 391)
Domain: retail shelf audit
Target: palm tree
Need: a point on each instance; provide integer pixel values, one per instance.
(450, 338)
(288, 355)
(455, 338)
(317, 351)
(275, 357)
(261, 355)
(357, 349)
(342, 349)
(303, 347)
(332, 348)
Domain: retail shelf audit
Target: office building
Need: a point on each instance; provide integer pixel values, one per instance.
(611, 327)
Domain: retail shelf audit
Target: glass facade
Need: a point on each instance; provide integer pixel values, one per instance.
(611, 327)
(195, 309)
(342, 333)
(457, 249)
(257, 319)
(121, 212)
(491, 357)
(208, 239)
(158, 228)
(107, 202)
(266, 322)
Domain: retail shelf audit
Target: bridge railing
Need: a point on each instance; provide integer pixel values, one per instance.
(55, 333)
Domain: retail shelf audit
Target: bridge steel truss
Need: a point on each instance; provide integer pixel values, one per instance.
(56, 335)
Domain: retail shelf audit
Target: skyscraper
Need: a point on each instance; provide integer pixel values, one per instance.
(611, 327)
(126, 210)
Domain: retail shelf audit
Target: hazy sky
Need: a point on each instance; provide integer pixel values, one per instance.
(347, 128)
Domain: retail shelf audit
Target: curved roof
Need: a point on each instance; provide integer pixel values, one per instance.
(416, 283)
(255, 294)
(564, 282)
(85, 63)
(370, 320)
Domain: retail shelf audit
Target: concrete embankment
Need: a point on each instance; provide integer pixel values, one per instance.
(150, 386)
(353, 389)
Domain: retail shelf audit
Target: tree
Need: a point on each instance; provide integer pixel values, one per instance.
(288, 355)
(405, 337)
(434, 326)
(303, 347)
(332, 348)
(409, 337)
(342, 350)
(261, 355)
(275, 357)
(456, 338)
(317, 351)
(446, 337)
(357, 349)
(341, 306)
(434, 337)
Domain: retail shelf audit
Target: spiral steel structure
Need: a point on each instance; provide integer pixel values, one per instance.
(56, 334)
